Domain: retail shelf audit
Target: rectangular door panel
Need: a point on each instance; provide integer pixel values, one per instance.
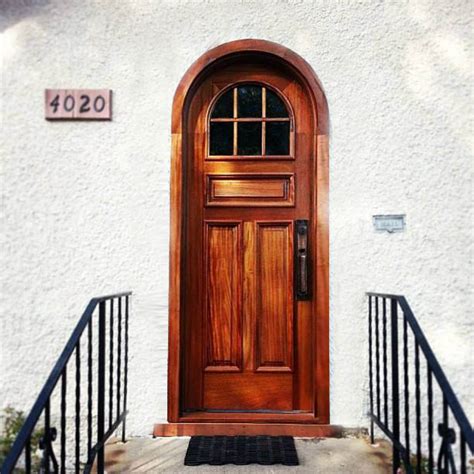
(275, 311)
(223, 244)
(247, 190)
(247, 391)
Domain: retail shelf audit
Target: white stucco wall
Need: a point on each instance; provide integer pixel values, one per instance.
(85, 205)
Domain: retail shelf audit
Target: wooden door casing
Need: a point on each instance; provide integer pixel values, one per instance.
(235, 237)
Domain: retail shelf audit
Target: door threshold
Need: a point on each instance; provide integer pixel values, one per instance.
(249, 417)
(275, 412)
(249, 429)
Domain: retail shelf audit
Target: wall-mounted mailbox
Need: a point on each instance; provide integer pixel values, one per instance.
(389, 223)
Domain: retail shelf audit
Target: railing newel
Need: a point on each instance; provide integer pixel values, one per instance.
(385, 381)
(111, 361)
(125, 382)
(371, 385)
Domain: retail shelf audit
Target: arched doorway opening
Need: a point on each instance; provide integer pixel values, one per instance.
(249, 259)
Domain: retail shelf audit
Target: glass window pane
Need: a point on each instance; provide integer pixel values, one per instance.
(276, 108)
(222, 138)
(249, 101)
(224, 107)
(277, 139)
(249, 138)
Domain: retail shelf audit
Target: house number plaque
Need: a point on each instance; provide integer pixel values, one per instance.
(389, 223)
(78, 104)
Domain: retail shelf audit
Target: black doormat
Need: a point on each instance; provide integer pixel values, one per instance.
(241, 450)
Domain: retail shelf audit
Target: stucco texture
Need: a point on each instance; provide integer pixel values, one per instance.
(85, 205)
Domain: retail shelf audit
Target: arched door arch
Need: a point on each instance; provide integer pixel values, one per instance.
(282, 65)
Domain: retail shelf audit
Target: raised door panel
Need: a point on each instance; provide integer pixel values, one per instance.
(275, 311)
(250, 190)
(223, 296)
(248, 391)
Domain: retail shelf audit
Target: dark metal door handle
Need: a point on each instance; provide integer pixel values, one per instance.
(303, 263)
(302, 260)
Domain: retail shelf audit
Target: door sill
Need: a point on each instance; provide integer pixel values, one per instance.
(302, 430)
(248, 417)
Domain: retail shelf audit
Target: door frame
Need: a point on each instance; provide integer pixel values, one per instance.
(320, 243)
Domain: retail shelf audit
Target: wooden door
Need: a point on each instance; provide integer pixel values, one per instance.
(248, 317)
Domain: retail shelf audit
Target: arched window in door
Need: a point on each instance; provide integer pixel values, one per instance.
(250, 120)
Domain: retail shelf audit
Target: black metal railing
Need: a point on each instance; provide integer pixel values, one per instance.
(102, 336)
(404, 372)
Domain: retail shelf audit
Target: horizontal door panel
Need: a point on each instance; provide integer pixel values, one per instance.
(247, 190)
(246, 391)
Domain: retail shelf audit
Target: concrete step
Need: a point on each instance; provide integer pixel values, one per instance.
(325, 456)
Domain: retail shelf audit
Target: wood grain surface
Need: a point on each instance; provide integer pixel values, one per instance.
(240, 343)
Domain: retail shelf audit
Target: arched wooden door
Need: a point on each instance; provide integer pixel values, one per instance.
(250, 314)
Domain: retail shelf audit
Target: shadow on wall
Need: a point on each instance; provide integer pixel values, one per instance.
(428, 59)
(417, 96)
(14, 11)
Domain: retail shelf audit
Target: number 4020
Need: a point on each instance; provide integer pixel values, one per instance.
(78, 104)
(69, 103)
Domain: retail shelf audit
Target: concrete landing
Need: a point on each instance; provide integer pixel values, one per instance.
(325, 456)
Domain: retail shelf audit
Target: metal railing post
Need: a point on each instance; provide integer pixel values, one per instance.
(125, 381)
(371, 387)
(395, 387)
(101, 389)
